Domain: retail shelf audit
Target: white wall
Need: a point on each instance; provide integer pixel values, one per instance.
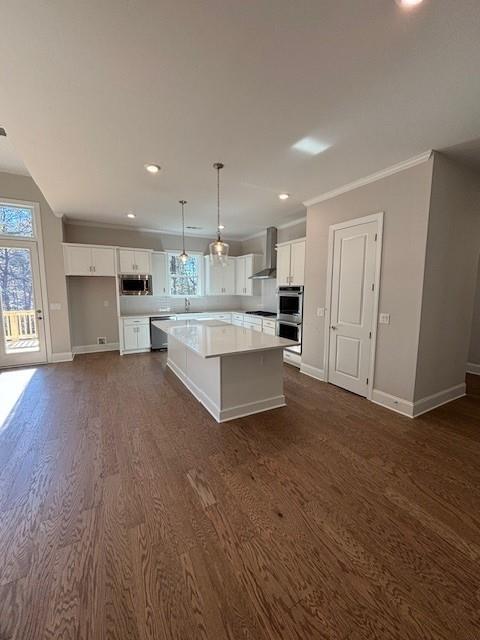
(17, 187)
(404, 198)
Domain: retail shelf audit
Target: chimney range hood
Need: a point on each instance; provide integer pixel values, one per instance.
(270, 270)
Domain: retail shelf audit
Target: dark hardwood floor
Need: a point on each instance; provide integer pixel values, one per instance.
(127, 513)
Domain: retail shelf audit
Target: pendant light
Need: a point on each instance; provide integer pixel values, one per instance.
(218, 248)
(184, 255)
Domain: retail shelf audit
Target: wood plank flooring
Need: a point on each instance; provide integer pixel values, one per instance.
(127, 513)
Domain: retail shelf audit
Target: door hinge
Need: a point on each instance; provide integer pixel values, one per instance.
(370, 335)
(376, 236)
(367, 380)
(373, 287)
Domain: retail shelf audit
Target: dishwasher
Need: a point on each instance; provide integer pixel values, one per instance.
(159, 338)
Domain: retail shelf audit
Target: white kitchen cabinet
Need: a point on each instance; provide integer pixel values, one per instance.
(160, 273)
(268, 327)
(136, 334)
(283, 265)
(88, 260)
(134, 261)
(246, 266)
(291, 263)
(237, 319)
(252, 322)
(219, 280)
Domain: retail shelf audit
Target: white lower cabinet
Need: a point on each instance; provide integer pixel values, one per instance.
(253, 323)
(136, 334)
(269, 327)
(237, 319)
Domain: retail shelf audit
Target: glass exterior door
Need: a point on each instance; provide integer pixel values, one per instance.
(22, 334)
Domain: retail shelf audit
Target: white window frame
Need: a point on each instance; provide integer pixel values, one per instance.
(193, 254)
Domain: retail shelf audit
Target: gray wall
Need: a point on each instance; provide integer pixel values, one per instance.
(451, 264)
(474, 352)
(93, 309)
(118, 236)
(404, 197)
(18, 187)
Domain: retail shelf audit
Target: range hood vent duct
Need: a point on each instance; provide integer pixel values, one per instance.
(270, 270)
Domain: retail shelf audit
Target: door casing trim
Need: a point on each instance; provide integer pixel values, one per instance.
(374, 217)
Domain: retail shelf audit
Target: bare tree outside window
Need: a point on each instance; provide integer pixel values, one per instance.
(16, 221)
(184, 277)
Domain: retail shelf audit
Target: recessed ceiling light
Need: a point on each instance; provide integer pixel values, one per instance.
(152, 168)
(130, 215)
(312, 146)
(221, 226)
(284, 196)
(407, 4)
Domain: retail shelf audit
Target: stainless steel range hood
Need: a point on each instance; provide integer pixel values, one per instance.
(270, 270)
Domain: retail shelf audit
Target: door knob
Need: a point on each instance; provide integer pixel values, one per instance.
(333, 327)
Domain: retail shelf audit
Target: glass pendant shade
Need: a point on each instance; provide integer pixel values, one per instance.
(219, 251)
(183, 257)
(218, 248)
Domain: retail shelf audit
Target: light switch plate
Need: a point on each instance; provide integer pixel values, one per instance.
(384, 318)
(55, 306)
(320, 312)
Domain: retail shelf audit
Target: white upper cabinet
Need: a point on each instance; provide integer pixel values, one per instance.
(291, 263)
(297, 263)
(87, 260)
(283, 265)
(220, 280)
(134, 261)
(159, 274)
(246, 267)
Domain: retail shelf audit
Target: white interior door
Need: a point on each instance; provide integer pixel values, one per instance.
(22, 331)
(352, 306)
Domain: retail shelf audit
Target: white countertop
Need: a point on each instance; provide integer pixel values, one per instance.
(159, 314)
(213, 338)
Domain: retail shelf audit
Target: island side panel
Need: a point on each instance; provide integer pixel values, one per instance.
(251, 382)
(200, 375)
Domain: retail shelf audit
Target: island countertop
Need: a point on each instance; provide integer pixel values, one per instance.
(213, 338)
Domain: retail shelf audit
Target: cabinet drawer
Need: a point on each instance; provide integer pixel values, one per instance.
(135, 321)
(226, 317)
(253, 326)
(270, 324)
(269, 331)
(253, 320)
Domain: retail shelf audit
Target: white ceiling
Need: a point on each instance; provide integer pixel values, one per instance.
(92, 90)
(10, 161)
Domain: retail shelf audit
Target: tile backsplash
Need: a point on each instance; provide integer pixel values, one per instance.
(160, 304)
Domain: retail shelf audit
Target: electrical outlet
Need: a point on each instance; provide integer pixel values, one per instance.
(320, 312)
(101, 340)
(106, 303)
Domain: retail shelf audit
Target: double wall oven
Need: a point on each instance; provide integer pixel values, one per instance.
(290, 314)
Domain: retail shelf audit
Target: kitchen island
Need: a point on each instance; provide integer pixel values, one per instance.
(233, 371)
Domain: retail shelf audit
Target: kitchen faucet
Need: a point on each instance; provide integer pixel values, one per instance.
(187, 305)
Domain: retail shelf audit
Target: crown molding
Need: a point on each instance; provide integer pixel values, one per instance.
(389, 171)
(285, 225)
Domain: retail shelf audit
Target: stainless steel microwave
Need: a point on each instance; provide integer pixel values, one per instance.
(135, 285)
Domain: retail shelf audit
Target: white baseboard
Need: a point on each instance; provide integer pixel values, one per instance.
(474, 368)
(224, 415)
(65, 356)
(313, 372)
(437, 399)
(96, 348)
(399, 405)
(415, 409)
